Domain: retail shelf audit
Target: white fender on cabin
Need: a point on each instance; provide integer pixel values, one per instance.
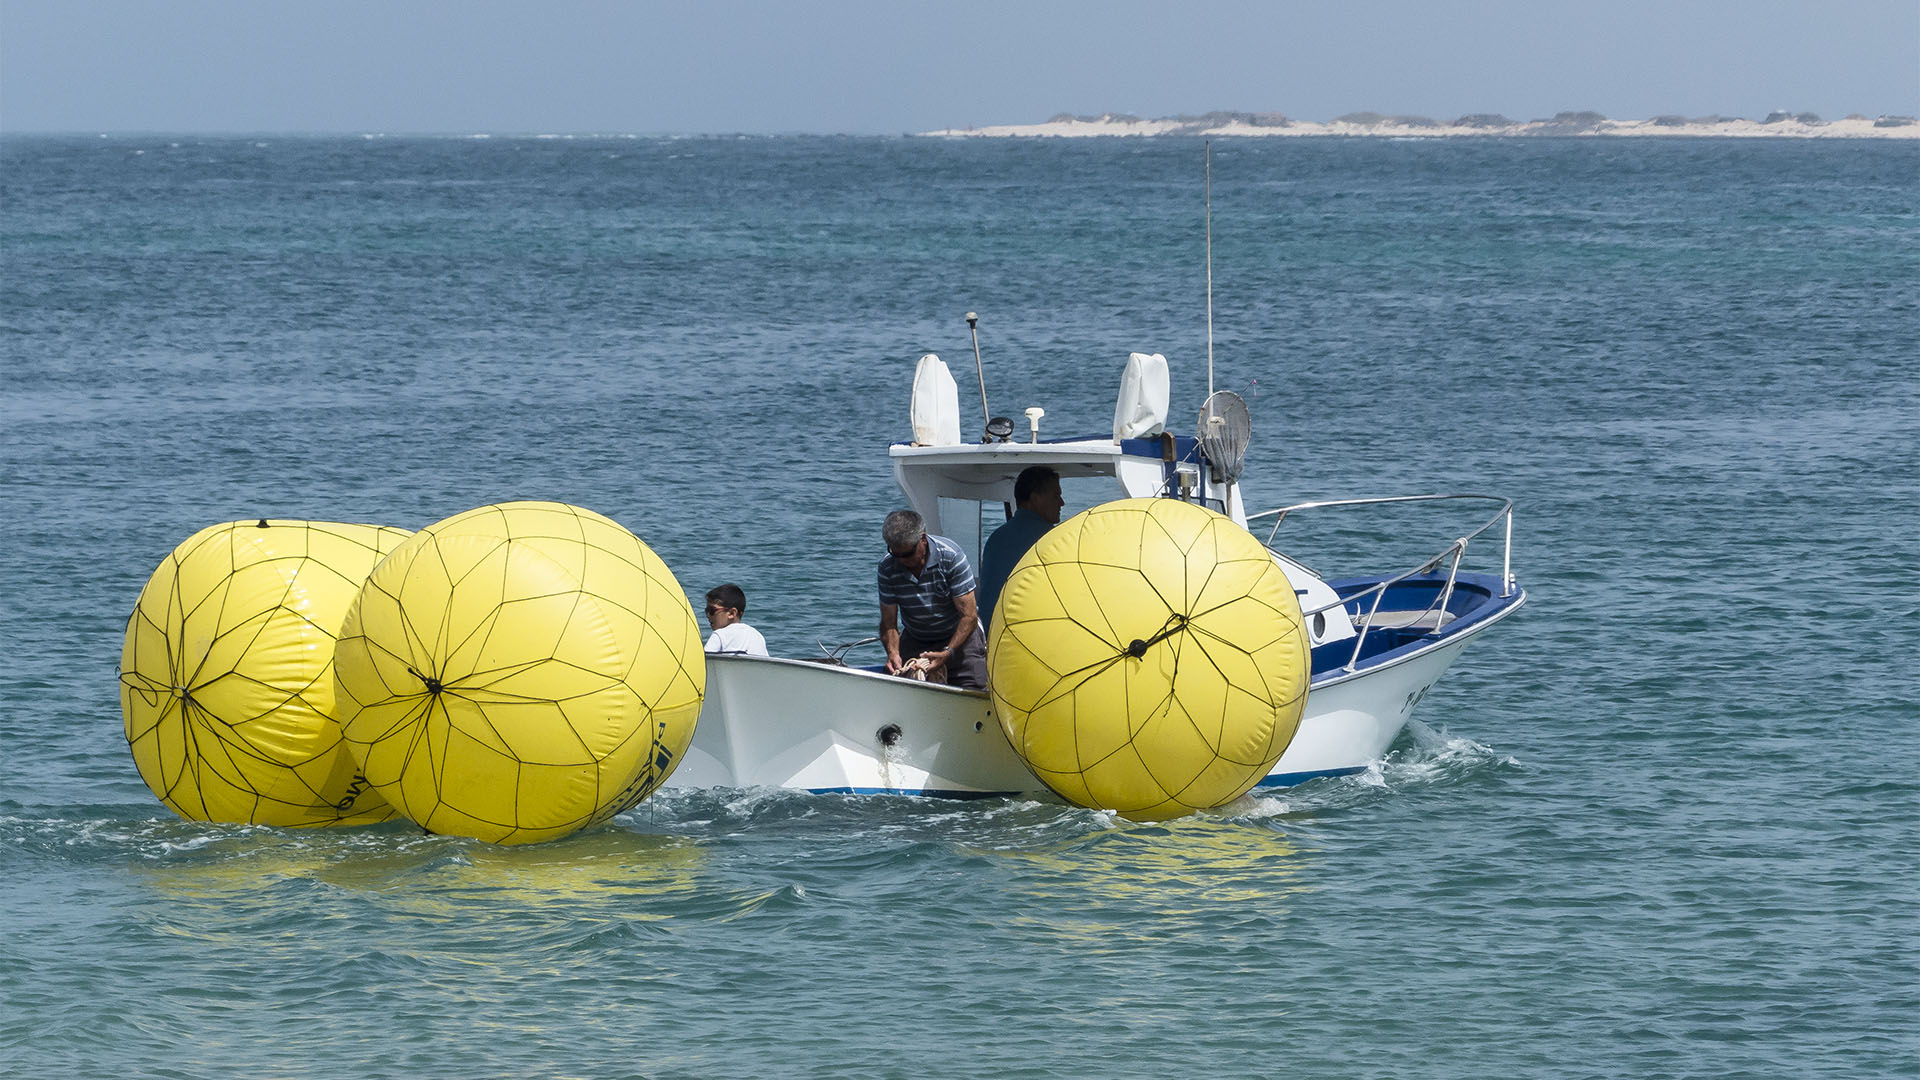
(936, 404)
(1142, 409)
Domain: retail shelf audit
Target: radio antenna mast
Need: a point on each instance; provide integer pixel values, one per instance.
(1209, 146)
(973, 328)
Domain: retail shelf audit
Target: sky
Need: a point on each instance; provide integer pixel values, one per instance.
(871, 67)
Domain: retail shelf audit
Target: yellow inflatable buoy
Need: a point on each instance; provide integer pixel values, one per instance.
(1147, 657)
(226, 675)
(518, 672)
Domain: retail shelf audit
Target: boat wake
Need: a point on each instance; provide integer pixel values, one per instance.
(1434, 757)
(1424, 758)
(1427, 758)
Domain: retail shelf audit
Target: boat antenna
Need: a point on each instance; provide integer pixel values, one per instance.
(1209, 146)
(973, 327)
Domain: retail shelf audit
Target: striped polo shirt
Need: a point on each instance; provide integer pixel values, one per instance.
(926, 602)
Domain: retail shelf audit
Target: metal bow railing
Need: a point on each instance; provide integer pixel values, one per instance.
(1451, 557)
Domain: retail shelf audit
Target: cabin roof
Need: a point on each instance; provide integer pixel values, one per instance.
(1090, 455)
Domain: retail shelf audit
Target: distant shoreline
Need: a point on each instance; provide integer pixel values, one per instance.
(1585, 124)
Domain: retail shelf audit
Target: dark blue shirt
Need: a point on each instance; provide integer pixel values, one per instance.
(1003, 550)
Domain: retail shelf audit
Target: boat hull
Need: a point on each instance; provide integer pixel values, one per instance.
(827, 728)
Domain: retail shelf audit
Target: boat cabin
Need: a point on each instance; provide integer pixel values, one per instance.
(965, 490)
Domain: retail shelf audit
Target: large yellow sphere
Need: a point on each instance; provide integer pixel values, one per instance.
(226, 676)
(518, 672)
(1147, 657)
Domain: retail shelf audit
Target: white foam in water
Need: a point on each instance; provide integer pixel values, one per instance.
(750, 802)
(1440, 742)
(1435, 755)
(1256, 807)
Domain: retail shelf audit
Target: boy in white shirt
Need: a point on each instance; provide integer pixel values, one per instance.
(726, 607)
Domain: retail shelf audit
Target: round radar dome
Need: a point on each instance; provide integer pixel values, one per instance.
(226, 676)
(518, 672)
(1147, 657)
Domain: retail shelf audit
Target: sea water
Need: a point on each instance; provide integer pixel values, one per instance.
(1663, 822)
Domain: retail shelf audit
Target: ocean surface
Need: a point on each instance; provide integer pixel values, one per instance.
(1664, 822)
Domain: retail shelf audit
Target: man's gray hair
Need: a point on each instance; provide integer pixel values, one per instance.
(903, 529)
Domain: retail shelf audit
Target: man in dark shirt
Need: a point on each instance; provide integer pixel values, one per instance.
(1037, 502)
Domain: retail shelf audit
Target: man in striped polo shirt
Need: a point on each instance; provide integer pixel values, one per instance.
(927, 585)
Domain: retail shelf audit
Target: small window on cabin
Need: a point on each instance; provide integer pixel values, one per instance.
(968, 523)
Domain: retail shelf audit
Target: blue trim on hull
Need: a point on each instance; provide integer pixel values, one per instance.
(931, 793)
(1270, 781)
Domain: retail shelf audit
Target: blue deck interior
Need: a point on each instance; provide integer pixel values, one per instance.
(1334, 655)
(1474, 597)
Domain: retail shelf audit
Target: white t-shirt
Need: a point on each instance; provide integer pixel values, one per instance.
(737, 638)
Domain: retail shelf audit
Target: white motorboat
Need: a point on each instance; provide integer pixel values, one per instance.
(1380, 639)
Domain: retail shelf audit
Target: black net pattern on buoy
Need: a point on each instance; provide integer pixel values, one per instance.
(226, 673)
(464, 712)
(1211, 645)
